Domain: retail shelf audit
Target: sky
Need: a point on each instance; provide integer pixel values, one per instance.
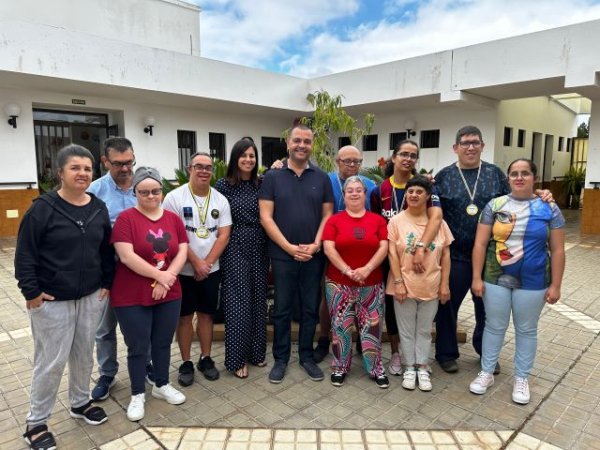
(310, 38)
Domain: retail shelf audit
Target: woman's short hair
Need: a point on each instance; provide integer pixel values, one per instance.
(419, 181)
(68, 152)
(354, 179)
(532, 165)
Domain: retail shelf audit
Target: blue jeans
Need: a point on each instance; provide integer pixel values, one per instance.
(526, 307)
(301, 280)
(106, 342)
(148, 326)
(446, 344)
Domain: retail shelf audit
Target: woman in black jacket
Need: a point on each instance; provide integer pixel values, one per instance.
(64, 265)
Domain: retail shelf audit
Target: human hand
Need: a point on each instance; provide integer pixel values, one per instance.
(37, 302)
(201, 269)
(444, 293)
(361, 274)
(552, 294)
(477, 287)
(400, 293)
(159, 292)
(103, 294)
(304, 252)
(418, 258)
(277, 164)
(166, 278)
(545, 195)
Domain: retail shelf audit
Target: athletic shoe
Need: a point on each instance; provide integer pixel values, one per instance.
(92, 415)
(277, 372)
(321, 350)
(337, 378)
(135, 410)
(449, 366)
(382, 382)
(314, 372)
(481, 384)
(424, 379)
(169, 394)
(520, 392)
(395, 367)
(102, 389)
(207, 366)
(409, 378)
(186, 373)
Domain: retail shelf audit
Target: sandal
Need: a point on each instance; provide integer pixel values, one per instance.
(260, 364)
(93, 415)
(44, 440)
(242, 372)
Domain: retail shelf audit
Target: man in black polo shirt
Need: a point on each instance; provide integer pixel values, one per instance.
(295, 202)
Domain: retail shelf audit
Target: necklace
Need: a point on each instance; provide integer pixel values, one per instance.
(471, 207)
(202, 230)
(394, 198)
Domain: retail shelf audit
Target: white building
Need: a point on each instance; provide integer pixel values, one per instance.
(115, 67)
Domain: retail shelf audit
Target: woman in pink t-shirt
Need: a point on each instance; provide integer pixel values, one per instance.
(355, 241)
(416, 294)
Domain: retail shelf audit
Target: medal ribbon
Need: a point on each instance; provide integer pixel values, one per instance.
(204, 211)
(471, 194)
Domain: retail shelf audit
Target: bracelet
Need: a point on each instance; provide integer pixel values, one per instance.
(346, 270)
(398, 281)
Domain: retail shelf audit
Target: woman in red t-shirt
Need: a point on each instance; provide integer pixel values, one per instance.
(355, 241)
(146, 295)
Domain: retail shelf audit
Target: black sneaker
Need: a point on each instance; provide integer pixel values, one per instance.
(186, 374)
(207, 366)
(382, 382)
(321, 350)
(45, 440)
(449, 366)
(102, 388)
(314, 372)
(497, 369)
(277, 372)
(337, 378)
(92, 415)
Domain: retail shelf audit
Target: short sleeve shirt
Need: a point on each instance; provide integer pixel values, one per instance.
(298, 204)
(115, 198)
(190, 209)
(387, 199)
(455, 199)
(518, 253)
(356, 240)
(403, 233)
(338, 198)
(156, 242)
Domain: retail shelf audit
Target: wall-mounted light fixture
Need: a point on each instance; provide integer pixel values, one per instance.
(149, 122)
(12, 110)
(409, 126)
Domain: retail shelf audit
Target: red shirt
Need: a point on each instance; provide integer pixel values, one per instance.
(356, 240)
(155, 241)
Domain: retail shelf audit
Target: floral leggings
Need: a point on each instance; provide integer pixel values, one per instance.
(365, 303)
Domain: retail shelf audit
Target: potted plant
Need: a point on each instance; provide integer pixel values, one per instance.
(573, 183)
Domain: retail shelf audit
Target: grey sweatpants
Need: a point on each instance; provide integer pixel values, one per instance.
(62, 331)
(415, 318)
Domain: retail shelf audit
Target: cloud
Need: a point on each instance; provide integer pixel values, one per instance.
(306, 39)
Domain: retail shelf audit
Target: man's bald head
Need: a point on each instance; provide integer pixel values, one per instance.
(348, 160)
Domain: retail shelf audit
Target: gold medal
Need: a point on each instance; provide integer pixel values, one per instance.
(472, 209)
(202, 232)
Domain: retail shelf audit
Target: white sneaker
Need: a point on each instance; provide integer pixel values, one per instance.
(481, 384)
(409, 380)
(168, 393)
(424, 380)
(520, 392)
(395, 367)
(135, 410)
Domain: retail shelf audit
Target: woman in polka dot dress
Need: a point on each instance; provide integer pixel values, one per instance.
(244, 264)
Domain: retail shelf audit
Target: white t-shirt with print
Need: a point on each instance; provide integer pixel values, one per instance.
(217, 216)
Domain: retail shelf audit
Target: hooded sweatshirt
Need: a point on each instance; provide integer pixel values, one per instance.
(62, 255)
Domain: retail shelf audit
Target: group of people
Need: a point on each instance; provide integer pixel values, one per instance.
(348, 253)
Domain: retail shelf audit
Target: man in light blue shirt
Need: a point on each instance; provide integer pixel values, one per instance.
(115, 189)
(348, 160)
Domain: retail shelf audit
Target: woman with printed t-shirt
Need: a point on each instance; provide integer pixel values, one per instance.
(355, 241)
(152, 247)
(416, 294)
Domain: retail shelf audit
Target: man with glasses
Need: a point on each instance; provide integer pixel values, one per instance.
(464, 187)
(295, 202)
(115, 189)
(207, 218)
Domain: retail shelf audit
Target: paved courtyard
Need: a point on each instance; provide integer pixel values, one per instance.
(230, 413)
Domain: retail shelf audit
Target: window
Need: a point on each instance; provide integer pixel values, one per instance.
(569, 144)
(430, 138)
(343, 141)
(507, 137)
(272, 148)
(186, 143)
(370, 143)
(561, 142)
(216, 144)
(521, 138)
(396, 138)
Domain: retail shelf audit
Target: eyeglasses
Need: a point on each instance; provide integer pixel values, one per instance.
(147, 192)
(408, 155)
(467, 144)
(351, 162)
(354, 190)
(523, 174)
(121, 164)
(201, 168)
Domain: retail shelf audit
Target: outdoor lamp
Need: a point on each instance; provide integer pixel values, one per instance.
(409, 126)
(149, 122)
(12, 110)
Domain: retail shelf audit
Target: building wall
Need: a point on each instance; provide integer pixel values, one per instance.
(166, 24)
